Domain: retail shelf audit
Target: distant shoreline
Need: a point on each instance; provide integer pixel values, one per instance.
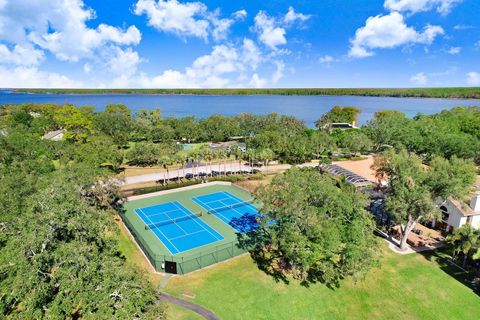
(443, 93)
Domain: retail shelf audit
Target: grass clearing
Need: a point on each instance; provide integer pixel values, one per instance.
(133, 254)
(404, 287)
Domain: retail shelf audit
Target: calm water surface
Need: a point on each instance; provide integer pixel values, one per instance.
(307, 108)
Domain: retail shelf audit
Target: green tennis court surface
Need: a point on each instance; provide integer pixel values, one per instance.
(185, 231)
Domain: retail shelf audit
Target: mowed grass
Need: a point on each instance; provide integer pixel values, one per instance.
(411, 286)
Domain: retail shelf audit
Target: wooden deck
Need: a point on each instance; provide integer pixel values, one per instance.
(421, 236)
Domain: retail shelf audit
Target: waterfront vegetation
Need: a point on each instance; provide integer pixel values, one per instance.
(60, 253)
(465, 92)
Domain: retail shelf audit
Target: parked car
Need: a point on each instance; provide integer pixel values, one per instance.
(189, 176)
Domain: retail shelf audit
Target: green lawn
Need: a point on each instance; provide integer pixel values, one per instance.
(403, 287)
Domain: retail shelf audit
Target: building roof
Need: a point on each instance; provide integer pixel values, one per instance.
(53, 134)
(351, 177)
(362, 168)
(463, 208)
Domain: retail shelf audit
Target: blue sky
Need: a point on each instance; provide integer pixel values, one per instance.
(173, 43)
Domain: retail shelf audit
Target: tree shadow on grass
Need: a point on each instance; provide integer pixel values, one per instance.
(256, 240)
(447, 265)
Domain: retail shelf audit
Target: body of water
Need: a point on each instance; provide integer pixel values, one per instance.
(307, 108)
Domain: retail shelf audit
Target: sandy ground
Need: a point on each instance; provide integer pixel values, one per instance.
(361, 167)
(252, 185)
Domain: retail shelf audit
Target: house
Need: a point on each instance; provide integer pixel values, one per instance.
(340, 126)
(456, 213)
(228, 146)
(56, 135)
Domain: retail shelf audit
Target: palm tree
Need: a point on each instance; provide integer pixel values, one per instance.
(238, 155)
(465, 240)
(165, 161)
(208, 155)
(251, 155)
(183, 158)
(265, 156)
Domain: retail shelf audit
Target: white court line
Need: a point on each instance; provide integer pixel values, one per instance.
(186, 235)
(172, 220)
(161, 233)
(210, 208)
(160, 213)
(207, 202)
(239, 214)
(194, 219)
(240, 200)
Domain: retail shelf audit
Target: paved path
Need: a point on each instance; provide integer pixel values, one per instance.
(180, 173)
(207, 314)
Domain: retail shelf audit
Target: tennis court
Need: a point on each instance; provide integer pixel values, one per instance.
(237, 213)
(176, 227)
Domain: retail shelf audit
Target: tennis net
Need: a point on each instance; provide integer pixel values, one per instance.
(230, 207)
(170, 221)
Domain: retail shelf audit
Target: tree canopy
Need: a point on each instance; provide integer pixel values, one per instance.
(60, 257)
(320, 231)
(413, 187)
(338, 115)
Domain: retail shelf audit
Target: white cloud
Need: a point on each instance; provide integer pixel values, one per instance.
(78, 42)
(21, 55)
(226, 65)
(272, 31)
(32, 77)
(327, 60)
(477, 45)
(221, 27)
(213, 70)
(28, 29)
(268, 32)
(413, 6)
(185, 19)
(124, 62)
(189, 19)
(3, 3)
(473, 78)
(293, 16)
(419, 79)
(257, 82)
(251, 54)
(240, 14)
(388, 31)
(60, 27)
(87, 68)
(462, 27)
(454, 50)
(278, 74)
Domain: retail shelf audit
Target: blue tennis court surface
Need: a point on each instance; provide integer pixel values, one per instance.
(176, 227)
(240, 215)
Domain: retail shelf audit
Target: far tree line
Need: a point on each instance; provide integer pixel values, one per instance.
(146, 138)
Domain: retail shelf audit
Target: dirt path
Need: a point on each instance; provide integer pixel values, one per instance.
(207, 314)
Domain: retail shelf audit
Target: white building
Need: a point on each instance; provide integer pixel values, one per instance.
(56, 135)
(456, 213)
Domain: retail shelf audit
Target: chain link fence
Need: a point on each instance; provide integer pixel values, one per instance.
(185, 263)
